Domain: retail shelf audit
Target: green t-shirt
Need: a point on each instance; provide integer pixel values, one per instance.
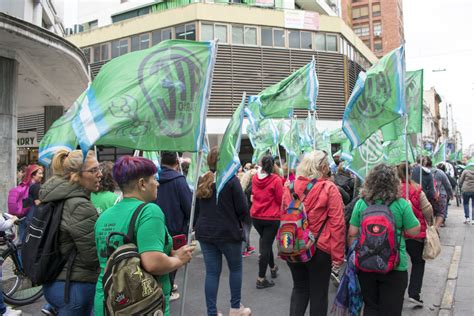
(150, 233)
(404, 218)
(103, 200)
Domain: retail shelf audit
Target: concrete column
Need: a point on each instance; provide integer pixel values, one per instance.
(37, 13)
(8, 127)
(51, 114)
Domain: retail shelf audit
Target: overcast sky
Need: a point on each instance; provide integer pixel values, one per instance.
(439, 35)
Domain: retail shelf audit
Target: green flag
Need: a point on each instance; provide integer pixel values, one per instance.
(292, 144)
(414, 103)
(395, 151)
(338, 136)
(298, 91)
(59, 136)
(228, 162)
(439, 154)
(263, 139)
(191, 176)
(378, 98)
(470, 164)
(366, 156)
(153, 99)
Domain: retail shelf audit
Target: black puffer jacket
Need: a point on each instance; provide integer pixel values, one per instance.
(77, 227)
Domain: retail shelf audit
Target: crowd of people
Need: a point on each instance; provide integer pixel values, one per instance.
(101, 198)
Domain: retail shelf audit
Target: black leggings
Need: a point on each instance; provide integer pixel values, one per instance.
(383, 293)
(311, 284)
(415, 250)
(267, 230)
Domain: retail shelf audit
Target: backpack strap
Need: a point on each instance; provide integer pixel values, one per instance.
(308, 188)
(133, 221)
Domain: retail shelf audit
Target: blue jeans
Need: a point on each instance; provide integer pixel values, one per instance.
(3, 307)
(81, 298)
(212, 253)
(466, 196)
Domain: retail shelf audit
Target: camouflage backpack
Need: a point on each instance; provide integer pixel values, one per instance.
(128, 288)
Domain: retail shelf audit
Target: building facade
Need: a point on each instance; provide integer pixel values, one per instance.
(433, 101)
(257, 48)
(379, 23)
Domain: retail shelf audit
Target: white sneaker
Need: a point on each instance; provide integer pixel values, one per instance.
(242, 311)
(11, 312)
(466, 220)
(174, 296)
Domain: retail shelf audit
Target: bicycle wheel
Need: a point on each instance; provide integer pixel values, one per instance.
(16, 287)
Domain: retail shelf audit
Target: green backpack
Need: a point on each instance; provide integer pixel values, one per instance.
(128, 288)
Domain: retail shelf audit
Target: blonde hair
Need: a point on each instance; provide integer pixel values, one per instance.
(204, 189)
(312, 164)
(68, 164)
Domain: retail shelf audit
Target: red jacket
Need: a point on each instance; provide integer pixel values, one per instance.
(414, 193)
(266, 197)
(323, 201)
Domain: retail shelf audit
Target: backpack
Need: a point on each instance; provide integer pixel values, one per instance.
(294, 233)
(436, 186)
(378, 249)
(15, 200)
(128, 288)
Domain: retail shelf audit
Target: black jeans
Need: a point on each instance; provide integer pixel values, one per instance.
(311, 284)
(383, 293)
(415, 250)
(267, 230)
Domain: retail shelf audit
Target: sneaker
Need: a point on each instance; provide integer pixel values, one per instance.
(11, 312)
(175, 288)
(335, 278)
(47, 309)
(416, 301)
(250, 249)
(274, 272)
(472, 222)
(246, 254)
(174, 296)
(466, 220)
(264, 284)
(241, 311)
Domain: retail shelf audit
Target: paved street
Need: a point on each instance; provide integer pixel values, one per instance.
(275, 301)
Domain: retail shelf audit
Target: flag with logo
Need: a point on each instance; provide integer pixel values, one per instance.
(153, 99)
(378, 98)
(363, 158)
(297, 91)
(414, 106)
(59, 136)
(292, 144)
(263, 139)
(395, 151)
(439, 155)
(228, 162)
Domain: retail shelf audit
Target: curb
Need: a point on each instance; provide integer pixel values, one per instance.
(448, 295)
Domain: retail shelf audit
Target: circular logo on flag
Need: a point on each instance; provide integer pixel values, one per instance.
(377, 91)
(171, 80)
(371, 152)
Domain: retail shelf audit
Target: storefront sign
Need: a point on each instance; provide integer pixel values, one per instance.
(29, 139)
(304, 20)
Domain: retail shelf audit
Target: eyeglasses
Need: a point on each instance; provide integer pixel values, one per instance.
(94, 170)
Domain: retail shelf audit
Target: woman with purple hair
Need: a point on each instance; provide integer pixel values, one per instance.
(136, 178)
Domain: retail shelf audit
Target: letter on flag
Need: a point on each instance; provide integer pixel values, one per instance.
(378, 98)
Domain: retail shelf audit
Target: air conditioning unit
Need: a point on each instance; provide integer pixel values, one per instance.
(377, 33)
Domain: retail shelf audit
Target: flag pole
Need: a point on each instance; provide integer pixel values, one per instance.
(407, 179)
(291, 146)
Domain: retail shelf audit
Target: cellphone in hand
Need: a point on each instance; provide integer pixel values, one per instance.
(179, 241)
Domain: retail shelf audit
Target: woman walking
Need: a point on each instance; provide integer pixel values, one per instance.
(32, 178)
(267, 192)
(383, 293)
(73, 181)
(220, 232)
(423, 211)
(136, 178)
(466, 183)
(325, 212)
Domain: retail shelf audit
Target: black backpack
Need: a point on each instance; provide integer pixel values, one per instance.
(40, 254)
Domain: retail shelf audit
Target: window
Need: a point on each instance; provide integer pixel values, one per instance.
(186, 32)
(279, 38)
(119, 47)
(250, 35)
(166, 34)
(377, 29)
(266, 37)
(155, 37)
(104, 48)
(207, 32)
(376, 9)
(96, 50)
(293, 39)
(320, 41)
(87, 52)
(362, 30)
(378, 46)
(135, 41)
(144, 41)
(237, 35)
(360, 12)
(220, 32)
(93, 25)
(331, 43)
(306, 40)
(367, 42)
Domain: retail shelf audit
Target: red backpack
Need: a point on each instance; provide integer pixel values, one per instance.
(15, 200)
(378, 248)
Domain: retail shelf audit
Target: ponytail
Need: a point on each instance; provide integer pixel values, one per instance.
(68, 164)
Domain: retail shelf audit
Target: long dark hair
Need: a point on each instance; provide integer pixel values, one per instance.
(267, 164)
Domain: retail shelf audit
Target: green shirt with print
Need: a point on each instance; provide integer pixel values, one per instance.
(150, 231)
(103, 200)
(404, 218)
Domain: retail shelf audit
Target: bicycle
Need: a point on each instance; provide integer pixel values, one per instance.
(17, 289)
